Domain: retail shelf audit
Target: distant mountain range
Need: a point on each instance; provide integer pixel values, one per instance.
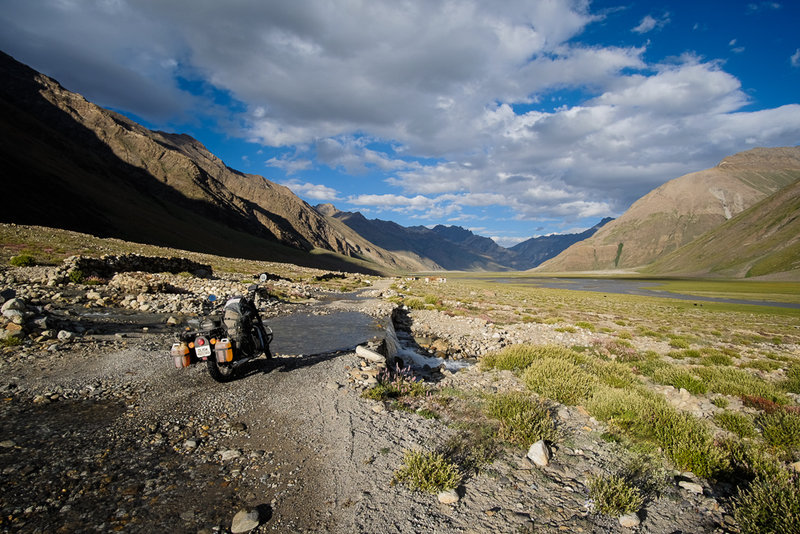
(74, 165)
(454, 248)
(667, 225)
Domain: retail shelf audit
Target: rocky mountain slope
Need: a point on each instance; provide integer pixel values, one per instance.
(681, 210)
(71, 164)
(762, 240)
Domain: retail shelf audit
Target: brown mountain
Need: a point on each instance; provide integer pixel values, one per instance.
(763, 240)
(681, 210)
(71, 164)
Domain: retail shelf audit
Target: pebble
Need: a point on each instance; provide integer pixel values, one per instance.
(630, 520)
(448, 496)
(230, 454)
(244, 521)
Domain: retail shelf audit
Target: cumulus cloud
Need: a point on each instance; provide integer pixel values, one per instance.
(427, 94)
(289, 164)
(794, 59)
(313, 191)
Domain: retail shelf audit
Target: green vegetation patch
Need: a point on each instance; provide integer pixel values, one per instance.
(428, 472)
(519, 357)
(22, 260)
(523, 420)
(740, 424)
(560, 380)
(738, 382)
(769, 505)
(614, 496)
(680, 377)
(646, 415)
(781, 429)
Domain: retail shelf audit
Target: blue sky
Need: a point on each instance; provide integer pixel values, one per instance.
(512, 119)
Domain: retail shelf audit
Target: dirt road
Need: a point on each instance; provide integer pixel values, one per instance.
(103, 438)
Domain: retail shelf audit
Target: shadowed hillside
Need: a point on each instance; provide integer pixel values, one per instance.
(71, 164)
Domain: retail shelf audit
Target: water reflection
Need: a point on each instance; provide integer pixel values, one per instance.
(301, 333)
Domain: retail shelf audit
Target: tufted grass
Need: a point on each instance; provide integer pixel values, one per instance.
(740, 424)
(429, 472)
(519, 357)
(614, 496)
(680, 377)
(560, 380)
(523, 420)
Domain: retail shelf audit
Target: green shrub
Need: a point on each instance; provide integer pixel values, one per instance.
(414, 304)
(720, 402)
(614, 496)
(683, 437)
(762, 365)
(679, 377)
(429, 472)
(781, 429)
(76, 276)
(523, 420)
(519, 357)
(560, 380)
(678, 343)
(716, 359)
(738, 382)
(738, 423)
(792, 382)
(585, 325)
(769, 506)
(22, 260)
(611, 373)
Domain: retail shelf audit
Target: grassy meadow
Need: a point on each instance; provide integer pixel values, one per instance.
(740, 360)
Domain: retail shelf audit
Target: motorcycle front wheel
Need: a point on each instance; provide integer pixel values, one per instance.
(221, 372)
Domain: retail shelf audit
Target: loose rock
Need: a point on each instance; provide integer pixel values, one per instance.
(539, 453)
(244, 521)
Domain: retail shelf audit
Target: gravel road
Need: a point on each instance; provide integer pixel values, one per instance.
(110, 437)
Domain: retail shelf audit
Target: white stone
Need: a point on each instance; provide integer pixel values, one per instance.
(65, 335)
(795, 466)
(629, 520)
(13, 304)
(539, 453)
(370, 355)
(691, 487)
(230, 454)
(448, 496)
(244, 521)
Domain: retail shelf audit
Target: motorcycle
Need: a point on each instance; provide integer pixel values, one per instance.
(229, 336)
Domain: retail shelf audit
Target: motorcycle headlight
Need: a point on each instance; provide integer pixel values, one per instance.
(208, 324)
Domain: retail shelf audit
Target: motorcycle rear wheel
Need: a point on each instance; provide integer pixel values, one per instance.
(221, 372)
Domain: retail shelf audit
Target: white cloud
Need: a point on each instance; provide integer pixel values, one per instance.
(422, 91)
(313, 191)
(649, 23)
(290, 165)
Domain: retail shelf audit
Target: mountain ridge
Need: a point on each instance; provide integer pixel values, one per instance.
(681, 210)
(96, 171)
